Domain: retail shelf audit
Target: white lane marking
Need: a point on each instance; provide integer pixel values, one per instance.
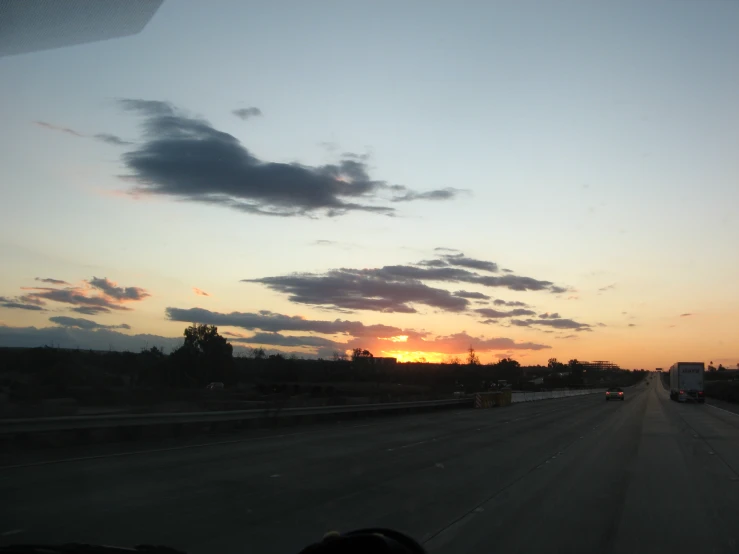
(152, 451)
(12, 532)
(723, 410)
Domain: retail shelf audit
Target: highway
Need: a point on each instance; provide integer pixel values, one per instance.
(569, 475)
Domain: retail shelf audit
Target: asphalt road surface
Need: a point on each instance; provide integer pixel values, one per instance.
(571, 475)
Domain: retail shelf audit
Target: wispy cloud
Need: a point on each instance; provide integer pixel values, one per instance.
(96, 296)
(685, 315)
(395, 288)
(607, 287)
(102, 137)
(199, 292)
(246, 113)
(18, 303)
(59, 128)
(51, 281)
(376, 338)
(549, 316)
(471, 295)
(77, 337)
(497, 314)
(111, 139)
(510, 303)
(81, 323)
(560, 323)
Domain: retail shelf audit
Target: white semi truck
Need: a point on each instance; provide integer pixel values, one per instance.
(686, 381)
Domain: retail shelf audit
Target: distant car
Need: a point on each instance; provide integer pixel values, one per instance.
(614, 393)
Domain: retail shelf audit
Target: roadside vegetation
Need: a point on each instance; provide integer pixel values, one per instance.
(51, 381)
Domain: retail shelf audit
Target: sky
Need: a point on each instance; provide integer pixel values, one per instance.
(530, 179)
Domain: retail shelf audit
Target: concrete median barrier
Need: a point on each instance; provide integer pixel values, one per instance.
(526, 396)
(116, 426)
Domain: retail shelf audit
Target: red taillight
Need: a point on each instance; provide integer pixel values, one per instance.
(608, 393)
(700, 393)
(620, 394)
(682, 392)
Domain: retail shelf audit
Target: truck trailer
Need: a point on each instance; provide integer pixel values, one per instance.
(686, 381)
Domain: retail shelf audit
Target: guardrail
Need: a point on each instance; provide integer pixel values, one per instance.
(84, 423)
(523, 396)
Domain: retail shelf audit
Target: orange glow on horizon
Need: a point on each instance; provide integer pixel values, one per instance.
(405, 356)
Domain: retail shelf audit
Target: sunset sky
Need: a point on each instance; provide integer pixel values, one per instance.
(532, 179)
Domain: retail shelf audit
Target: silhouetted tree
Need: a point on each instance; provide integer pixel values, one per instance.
(472, 357)
(721, 367)
(359, 355)
(205, 356)
(258, 353)
(556, 365)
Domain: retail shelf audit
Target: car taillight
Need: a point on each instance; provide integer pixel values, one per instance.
(682, 392)
(620, 394)
(608, 394)
(700, 393)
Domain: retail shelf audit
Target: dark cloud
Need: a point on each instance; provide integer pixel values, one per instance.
(443, 249)
(59, 128)
(277, 339)
(81, 323)
(19, 304)
(75, 337)
(90, 310)
(461, 260)
(108, 296)
(685, 315)
(112, 139)
(376, 338)
(393, 288)
(357, 290)
(93, 304)
(559, 290)
(433, 263)
(632, 325)
(122, 294)
(471, 295)
(510, 303)
(504, 270)
(246, 113)
(187, 158)
(441, 194)
(272, 322)
(567, 337)
(460, 342)
(51, 281)
(496, 314)
(549, 316)
(560, 323)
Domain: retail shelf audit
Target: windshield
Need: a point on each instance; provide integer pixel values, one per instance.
(275, 269)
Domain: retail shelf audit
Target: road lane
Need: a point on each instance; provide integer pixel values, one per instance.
(561, 475)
